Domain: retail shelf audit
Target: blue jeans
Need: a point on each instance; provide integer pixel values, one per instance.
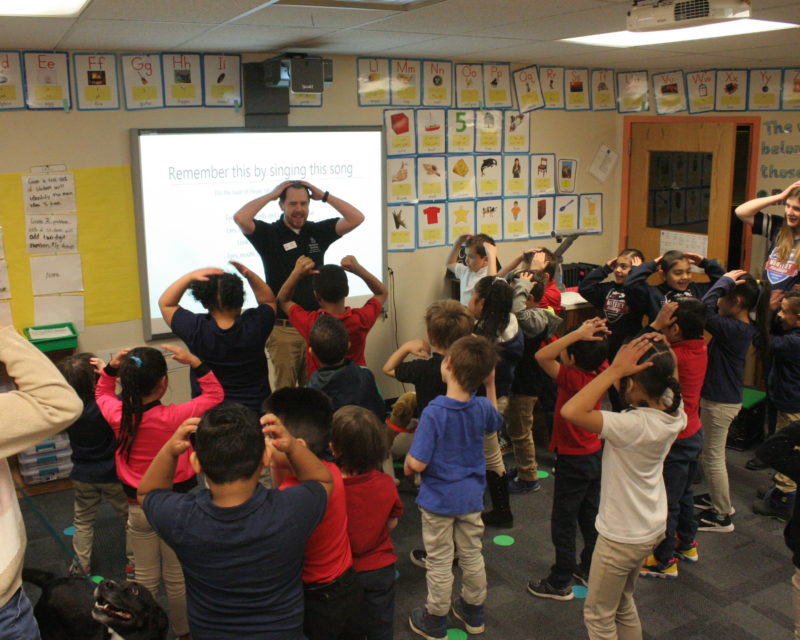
(16, 619)
(378, 605)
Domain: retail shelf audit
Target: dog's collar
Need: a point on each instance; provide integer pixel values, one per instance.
(397, 428)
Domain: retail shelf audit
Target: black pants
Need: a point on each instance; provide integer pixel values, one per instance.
(576, 499)
(377, 609)
(333, 609)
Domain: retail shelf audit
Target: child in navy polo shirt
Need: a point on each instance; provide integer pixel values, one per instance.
(448, 452)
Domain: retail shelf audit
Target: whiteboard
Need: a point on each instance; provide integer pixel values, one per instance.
(188, 184)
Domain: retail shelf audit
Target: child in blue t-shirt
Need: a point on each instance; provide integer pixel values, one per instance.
(448, 452)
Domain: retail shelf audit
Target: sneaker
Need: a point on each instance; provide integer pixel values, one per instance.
(515, 485)
(754, 464)
(419, 558)
(429, 627)
(581, 576)
(76, 569)
(710, 520)
(543, 589)
(775, 504)
(687, 551)
(652, 568)
(703, 501)
(470, 614)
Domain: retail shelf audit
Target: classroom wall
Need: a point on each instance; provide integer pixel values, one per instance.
(98, 143)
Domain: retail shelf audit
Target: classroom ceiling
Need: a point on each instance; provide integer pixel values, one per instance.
(523, 31)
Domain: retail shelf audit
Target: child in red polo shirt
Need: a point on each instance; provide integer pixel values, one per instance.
(331, 289)
(576, 494)
(332, 593)
(358, 443)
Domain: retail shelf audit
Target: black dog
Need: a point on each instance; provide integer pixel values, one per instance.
(72, 609)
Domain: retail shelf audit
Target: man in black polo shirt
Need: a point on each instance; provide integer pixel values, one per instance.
(279, 244)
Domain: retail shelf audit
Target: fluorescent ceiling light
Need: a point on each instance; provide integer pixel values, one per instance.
(703, 32)
(42, 8)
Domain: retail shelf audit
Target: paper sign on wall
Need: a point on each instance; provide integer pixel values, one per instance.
(142, 80)
(517, 132)
(469, 85)
(222, 84)
(515, 172)
(437, 83)
(96, 84)
(51, 234)
(461, 177)
(57, 309)
(577, 89)
(47, 80)
(543, 172)
(460, 219)
(431, 223)
(528, 89)
(731, 90)
(431, 132)
(552, 81)
(515, 218)
(400, 133)
(603, 97)
(182, 79)
(49, 193)
(12, 95)
(373, 81)
(402, 180)
(431, 178)
(56, 274)
(497, 85)
(405, 82)
(541, 216)
(603, 163)
(460, 131)
(401, 225)
(669, 92)
(764, 90)
(700, 89)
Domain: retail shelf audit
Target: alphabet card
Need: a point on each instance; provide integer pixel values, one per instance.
(731, 90)
(46, 80)
(402, 185)
(142, 81)
(669, 92)
(577, 86)
(12, 94)
(437, 83)
(552, 81)
(566, 213)
(543, 173)
(528, 89)
(430, 131)
(183, 81)
(56, 274)
(489, 131)
(517, 132)
(401, 224)
(431, 224)
(460, 131)
(431, 178)
(222, 80)
(400, 134)
(469, 86)
(590, 208)
(490, 172)
(461, 177)
(515, 218)
(764, 90)
(96, 86)
(603, 98)
(541, 216)
(497, 86)
(490, 218)
(791, 89)
(632, 91)
(373, 82)
(460, 219)
(406, 82)
(700, 87)
(515, 175)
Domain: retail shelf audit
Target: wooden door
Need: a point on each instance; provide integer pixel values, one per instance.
(683, 143)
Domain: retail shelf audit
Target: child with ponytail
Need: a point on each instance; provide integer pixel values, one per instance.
(142, 425)
(633, 499)
(730, 303)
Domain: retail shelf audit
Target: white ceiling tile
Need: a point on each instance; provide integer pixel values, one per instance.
(251, 38)
(598, 20)
(455, 47)
(318, 17)
(33, 33)
(360, 42)
(203, 11)
(122, 35)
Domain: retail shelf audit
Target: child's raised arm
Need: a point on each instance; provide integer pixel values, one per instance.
(379, 290)
(547, 356)
(710, 266)
(452, 259)
(261, 290)
(418, 348)
(302, 268)
(169, 302)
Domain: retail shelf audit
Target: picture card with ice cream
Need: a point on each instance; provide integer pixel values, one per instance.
(12, 93)
(431, 224)
(460, 219)
(461, 177)
(406, 82)
(142, 81)
(489, 170)
(437, 83)
(515, 175)
(528, 89)
(590, 210)
(541, 218)
(401, 220)
(96, 84)
(400, 132)
(431, 132)
(460, 131)
(515, 218)
(402, 180)
(431, 178)
(373, 82)
(489, 215)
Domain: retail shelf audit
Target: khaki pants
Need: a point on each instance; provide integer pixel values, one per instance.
(716, 418)
(783, 482)
(88, 496)
(491, 447)
(287, 355)
(155, 561)
(610, 612)
(796, 602)
(442, 536)
(519, 424)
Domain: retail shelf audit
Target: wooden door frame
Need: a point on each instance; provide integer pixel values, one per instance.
(754, 122)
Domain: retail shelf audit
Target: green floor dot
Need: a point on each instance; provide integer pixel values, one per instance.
(456, 634)
(503, 541)
(542, 474)
(579, 591)
(97, 579)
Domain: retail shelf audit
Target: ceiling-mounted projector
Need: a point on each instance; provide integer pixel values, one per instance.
(300, 72)
(651, 15)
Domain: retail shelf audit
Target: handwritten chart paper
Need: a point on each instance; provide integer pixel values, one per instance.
(51, 234)
(56, 274)
(49, 193)
(57, 309)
